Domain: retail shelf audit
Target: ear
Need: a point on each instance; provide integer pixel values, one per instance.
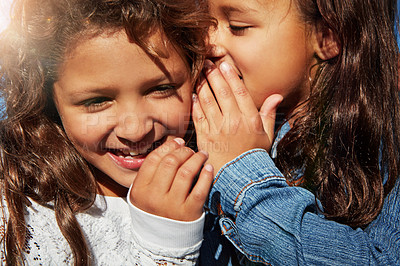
(325, 43)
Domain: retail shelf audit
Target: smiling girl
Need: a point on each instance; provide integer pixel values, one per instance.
(98, 98)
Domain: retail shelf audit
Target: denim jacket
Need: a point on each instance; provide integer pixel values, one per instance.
(270, 222)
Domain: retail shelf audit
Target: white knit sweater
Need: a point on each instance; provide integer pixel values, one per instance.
(117, 233)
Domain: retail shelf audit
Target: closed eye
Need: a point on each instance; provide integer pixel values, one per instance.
(238, 30)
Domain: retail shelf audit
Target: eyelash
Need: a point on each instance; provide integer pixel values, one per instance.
(96, 103)
(238, 30)
(163, 90)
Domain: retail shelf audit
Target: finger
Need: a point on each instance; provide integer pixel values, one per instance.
(199, 120)
(208, 103)
(153, 160)
(169, 168)
(221, 88)
(186, 175)
(200, 191)
(198, 116)
(268, 113)
(242, 96)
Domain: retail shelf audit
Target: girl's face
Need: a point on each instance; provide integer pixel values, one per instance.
(117, 104)
(268, 45)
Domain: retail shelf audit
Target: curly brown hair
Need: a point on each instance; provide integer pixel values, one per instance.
(38, 161)
(347, 138)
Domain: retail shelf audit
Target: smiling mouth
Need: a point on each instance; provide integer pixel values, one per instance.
(137, 153)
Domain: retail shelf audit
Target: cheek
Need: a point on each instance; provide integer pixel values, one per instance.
(175, 115)
(270, 72)
(178, 119)
(85, 131)
(181, 109)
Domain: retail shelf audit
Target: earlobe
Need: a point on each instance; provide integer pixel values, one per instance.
(326, 45)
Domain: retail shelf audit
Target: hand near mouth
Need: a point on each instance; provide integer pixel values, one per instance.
(165, 184)
(226, 119)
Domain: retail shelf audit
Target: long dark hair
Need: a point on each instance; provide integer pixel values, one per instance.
(38, 161)
(347, 139)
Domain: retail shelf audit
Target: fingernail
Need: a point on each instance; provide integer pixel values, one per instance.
(204, 152)
(209, 168)
(180, 141)
(194, 97)
(225, 67)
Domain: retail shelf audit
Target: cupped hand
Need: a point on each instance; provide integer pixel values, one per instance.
(226, 119)
(166, 182)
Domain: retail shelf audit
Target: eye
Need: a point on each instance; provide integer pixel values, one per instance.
(238, 30)
(162, 91)
(96, 103)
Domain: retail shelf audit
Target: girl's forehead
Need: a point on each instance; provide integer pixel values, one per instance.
(155, 44)
(110, 51)
(250, 6)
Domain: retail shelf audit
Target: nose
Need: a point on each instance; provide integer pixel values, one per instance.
(216, 41)
(133, 125)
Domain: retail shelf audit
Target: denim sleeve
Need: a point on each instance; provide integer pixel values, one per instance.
(271, 222)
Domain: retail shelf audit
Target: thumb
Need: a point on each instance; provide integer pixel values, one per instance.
(268, 112)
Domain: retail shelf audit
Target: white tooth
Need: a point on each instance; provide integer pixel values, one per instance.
(133, 153)
(121, 156)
